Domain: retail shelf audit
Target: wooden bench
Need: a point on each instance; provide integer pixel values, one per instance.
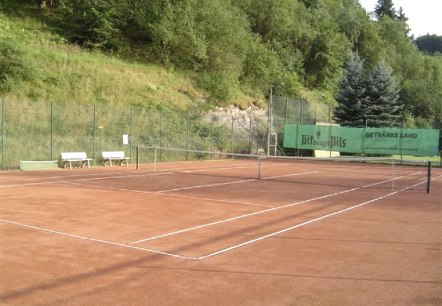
(118, 156)
(70, 157)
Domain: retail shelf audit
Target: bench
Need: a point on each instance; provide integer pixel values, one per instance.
(118, 156)
(70, 157)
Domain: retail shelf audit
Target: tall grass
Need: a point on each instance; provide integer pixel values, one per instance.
(63, 72)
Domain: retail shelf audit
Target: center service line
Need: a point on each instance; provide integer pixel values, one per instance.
(305, 223)
(264, 211)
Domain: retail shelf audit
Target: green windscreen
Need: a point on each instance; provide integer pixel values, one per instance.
(417, 142)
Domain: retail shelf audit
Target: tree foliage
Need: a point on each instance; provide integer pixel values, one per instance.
(92, 23)
(381, 99)
(385, 8)
(352, 93)
(430, 44)
(229, 47)
(370, 99)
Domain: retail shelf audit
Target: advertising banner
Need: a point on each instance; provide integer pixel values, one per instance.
(417, 142)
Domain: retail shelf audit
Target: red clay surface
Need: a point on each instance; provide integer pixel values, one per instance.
(195, 233)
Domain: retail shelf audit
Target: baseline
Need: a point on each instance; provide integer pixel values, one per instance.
(95, 240)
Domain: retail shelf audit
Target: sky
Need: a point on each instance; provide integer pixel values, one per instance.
(423, 15)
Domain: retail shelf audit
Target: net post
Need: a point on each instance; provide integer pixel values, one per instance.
(428, 176)
(393, 178)
(138, 157)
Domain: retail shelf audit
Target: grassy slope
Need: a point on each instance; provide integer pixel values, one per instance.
(63, 72)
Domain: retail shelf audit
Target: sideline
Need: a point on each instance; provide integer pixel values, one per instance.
(266, 210)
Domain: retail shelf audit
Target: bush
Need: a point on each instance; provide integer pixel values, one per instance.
(14, 68)
(223, 85)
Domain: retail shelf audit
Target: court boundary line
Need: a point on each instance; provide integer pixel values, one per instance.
(305, 223)
(264, 211)
(167, 195)
(192, 187)
(219, 251)
(152, 173)
(95, 240)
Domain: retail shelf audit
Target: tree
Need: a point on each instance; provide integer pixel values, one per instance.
(429, 43)
(381, 101)
(351, 94)
(385, 8)
(92, 23)
(401, 15)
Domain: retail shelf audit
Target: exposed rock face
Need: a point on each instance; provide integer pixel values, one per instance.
(241, 118)
(249, 126)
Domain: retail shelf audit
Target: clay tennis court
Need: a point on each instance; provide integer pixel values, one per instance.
(212, 233)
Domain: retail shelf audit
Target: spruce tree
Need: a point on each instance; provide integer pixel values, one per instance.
(352, 88)
(381, 102)
(385, 8)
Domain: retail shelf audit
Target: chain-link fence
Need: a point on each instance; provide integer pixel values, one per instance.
(37, 131)
(286, 110)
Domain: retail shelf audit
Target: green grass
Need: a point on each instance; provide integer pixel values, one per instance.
(60, 72)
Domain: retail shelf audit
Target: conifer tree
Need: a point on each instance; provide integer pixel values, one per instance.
(381, 102)
(385, 8)
(352, 88)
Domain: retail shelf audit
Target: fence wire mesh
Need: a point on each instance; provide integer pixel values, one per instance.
(38, 131)
(286, 110)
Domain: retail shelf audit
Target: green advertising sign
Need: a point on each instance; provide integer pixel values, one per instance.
(418, 142)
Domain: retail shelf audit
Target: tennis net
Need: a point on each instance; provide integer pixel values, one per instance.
(376, 172)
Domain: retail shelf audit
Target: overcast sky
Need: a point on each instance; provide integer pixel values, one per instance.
(423, 15)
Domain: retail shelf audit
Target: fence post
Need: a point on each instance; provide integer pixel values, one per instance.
(52, 131)
(301, 115)
(286, 108)
(94, 124)
(211, 133)
(138, 158)
(187, 136)
(3, 131)
(231, 140)
(161, 132)
(251, 136)
(130, 131)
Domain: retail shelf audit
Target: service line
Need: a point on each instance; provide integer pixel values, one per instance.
(307, 222)
(265, 210)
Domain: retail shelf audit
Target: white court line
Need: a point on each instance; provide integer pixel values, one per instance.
(192, 187)
(206, 185)
(158, 172)
(95, 240)
(71, 175)
(167, 195)
(81, 180)
(233, 182)
(287, 175)
(264, 211)
(211, 254)
(304, 223)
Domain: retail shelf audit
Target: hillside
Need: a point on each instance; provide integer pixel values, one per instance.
(198, 53)
(42, 66)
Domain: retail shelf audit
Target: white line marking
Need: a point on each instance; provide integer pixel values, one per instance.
(207, 185)
(168, 195)
(262, 211)
(94, 240)
(304, 223)
(219, 251)
(233, 182)
(286, 175)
